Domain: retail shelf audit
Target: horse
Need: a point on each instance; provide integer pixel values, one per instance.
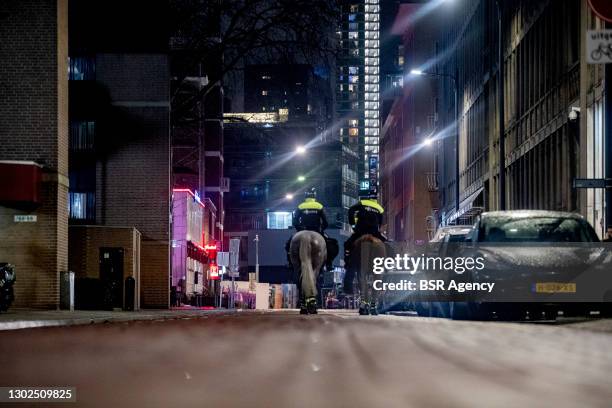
(365, 249)
(308, 253)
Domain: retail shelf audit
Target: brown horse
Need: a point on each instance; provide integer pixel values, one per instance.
(361, 260)
(308, 253)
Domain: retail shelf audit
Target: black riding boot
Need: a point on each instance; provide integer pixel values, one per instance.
(364, 309)
(303, 308)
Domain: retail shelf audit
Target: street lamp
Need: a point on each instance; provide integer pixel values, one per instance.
(289, 196)
(427, 142)
(300, 150)
(301, 178)
(453, 78)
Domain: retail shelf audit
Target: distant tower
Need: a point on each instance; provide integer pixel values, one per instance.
(357, 86)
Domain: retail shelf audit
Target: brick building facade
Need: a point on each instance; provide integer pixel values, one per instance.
(34, 127)
(409, 177)
(120, 149)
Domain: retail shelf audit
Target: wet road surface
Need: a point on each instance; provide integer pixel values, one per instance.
(282, 359)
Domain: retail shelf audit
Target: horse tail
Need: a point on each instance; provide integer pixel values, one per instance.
(307, 270)
(367, 248)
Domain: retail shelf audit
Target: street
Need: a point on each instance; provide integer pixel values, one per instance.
(280, 358)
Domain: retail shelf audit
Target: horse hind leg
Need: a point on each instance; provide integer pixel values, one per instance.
(307, 278)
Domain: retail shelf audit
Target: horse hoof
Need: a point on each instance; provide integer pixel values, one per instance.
(373, 310)
(364, 310)
(311, 305)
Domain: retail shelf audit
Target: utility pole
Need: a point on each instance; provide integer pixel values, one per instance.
(455, 79)
(256, 258)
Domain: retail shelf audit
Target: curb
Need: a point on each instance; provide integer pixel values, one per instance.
(81, 321)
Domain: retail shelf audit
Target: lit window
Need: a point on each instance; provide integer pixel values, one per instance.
(353, 35)
(353, 122)
(266, 77)
(353, 131)
(264, 92)
(279, 219)
(82, 205)
(82, 68)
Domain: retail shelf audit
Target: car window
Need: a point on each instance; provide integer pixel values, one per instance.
(456, 238)
(536, 229)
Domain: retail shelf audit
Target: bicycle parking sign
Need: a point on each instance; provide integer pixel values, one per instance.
(599, 46)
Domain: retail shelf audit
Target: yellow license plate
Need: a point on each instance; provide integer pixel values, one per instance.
(555, 287)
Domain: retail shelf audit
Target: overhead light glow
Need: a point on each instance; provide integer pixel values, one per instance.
(416, 72)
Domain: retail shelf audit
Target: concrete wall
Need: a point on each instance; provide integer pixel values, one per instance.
(34, 126)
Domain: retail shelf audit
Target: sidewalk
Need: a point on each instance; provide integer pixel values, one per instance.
(27, 318)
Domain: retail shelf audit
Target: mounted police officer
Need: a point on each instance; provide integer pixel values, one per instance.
(310, 216)
(366, 217)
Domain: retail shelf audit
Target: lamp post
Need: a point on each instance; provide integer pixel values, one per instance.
(453, 78)
(256, 257)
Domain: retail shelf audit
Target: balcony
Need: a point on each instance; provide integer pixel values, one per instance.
(433, 181)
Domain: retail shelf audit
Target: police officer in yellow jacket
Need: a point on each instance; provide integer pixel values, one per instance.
(365, 217)
(310, 215)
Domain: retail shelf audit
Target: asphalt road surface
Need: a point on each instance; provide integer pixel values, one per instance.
(282, 359)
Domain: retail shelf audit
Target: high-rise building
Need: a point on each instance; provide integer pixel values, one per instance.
(358, 85)
(289, 108)
(270, 87)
